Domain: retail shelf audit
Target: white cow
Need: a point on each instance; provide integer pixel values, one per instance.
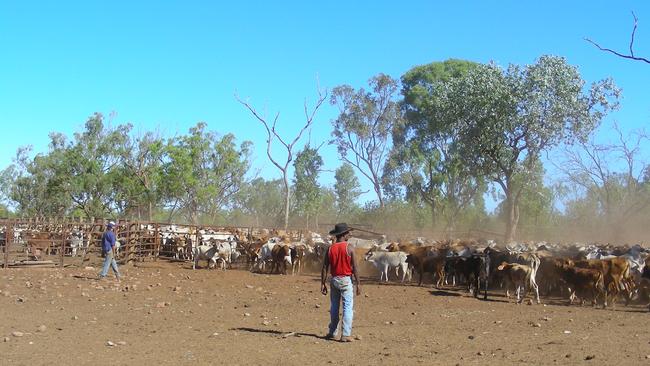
(265, 254)
(228, 252)
(205, 252)
(385, 260)
(76, 243)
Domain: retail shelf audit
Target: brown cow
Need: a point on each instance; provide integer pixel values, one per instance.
(433, 265)
(298, 253)
(38, 242)
(520, 275)
(582, 282)
(548, 275)
(281, 254)
(616, 273)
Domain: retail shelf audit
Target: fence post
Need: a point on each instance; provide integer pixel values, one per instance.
(127, 245)
(156, 241)
(8, 239)
(63, 237)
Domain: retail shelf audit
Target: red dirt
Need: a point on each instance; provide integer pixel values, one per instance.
(168, 314)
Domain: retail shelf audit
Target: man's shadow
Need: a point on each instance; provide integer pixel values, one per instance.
(84, 277)
(279, 333)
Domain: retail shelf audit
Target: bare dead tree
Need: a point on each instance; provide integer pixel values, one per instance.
(631, 55)
(272, 134)
(621, 194)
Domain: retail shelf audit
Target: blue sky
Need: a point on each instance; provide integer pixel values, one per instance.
(167, 65)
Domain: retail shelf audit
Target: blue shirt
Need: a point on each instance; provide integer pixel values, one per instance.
(108, 241)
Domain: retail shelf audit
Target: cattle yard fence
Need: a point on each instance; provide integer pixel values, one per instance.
(62, 242)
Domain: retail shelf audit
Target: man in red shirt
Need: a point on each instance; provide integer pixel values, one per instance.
(339, 260)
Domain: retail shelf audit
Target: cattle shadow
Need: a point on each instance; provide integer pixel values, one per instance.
(278, 332)
(631, 308)
(438, 292)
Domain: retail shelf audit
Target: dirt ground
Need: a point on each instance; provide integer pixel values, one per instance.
(166, 313)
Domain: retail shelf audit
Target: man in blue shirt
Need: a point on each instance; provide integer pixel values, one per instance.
(108, 251)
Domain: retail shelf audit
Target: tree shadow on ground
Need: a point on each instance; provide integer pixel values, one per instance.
(280, 333)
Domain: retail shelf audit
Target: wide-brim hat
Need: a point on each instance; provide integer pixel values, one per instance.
(340, 229)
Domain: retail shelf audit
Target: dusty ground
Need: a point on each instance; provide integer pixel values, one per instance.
(165, 313)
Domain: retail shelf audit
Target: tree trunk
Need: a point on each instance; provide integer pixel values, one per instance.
(512, 219)
(433, 215)
(450, 225)
(379, 195)
(286, 201)
(194, 216)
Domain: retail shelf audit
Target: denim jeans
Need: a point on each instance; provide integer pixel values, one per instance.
(109, 260)
(341, 289)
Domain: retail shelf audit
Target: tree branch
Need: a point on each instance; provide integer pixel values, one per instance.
(631, 55)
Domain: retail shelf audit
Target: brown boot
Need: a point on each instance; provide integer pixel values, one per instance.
(346, 339)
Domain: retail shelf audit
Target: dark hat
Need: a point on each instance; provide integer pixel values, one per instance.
(340, 229)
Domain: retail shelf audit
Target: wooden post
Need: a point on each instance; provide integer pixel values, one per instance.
(129, 246)
(8, 240)
(156, 241)
(63, 237)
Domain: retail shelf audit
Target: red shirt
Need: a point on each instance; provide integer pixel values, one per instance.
(340, 260)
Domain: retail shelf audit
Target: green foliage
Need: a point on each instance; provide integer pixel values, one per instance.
(509, 117)
(203, 172)
(363, 129)
(347, 190)
(263, 201)
(425, 159)
(307, 192)
(140, 171)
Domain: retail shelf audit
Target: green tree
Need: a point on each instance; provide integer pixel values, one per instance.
(264, 201)
(140, 170)
(363, 128)
(425, 158)
(510, 117)
(203, 173)
(28, 185)
(75, 176)
(307, 191)
(346, 189)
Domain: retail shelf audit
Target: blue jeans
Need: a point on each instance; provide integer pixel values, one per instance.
(341, 289)
(109, 261)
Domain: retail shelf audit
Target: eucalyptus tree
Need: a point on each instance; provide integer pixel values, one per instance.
(263, 200)
(90, 167)
(346, 189)
(363, 128)
(510, 117)
(307, 167)
(203, 172)
(139, 185)
(425, 159)
(72, 176)
(30, 185)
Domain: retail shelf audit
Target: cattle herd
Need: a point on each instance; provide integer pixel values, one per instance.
(599, 274)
